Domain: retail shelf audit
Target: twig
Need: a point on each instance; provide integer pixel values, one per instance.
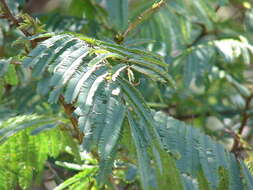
(3, 16)
(245, 117)
(141, 18)
(69, 109)
(166, 108)
(55, 174)
(232, 133)
(113, 183)
(8, 15)
(203, 33)
(217, 8)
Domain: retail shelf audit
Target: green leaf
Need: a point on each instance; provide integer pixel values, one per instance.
(114, 118)
(2, 89)
(247, 176)
(118, 13)
(143, 158)
(82, 178)
(4, 65)
(23, 155)
(200, 157)
(189, 182)
(10, 76)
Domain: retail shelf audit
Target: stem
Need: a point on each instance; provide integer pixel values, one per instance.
(56, 176)
(166, 108)
(245, 117)
(12, 18)
(200, 36)
(142, 17)
(68, 108)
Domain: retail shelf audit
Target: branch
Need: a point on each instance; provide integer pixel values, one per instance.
(55, 174)
(200, 36)
(155, 7)
(204, 32)
(245, 117)
(8, 15)
(3, 16)
(166, 109)
(68, 108)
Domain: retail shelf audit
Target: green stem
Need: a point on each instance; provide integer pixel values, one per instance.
(146, 14)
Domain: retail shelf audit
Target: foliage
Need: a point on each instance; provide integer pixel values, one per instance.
(23, 155)
(97, 88)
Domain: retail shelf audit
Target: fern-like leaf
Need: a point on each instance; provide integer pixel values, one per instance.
(198, 155)
(23, 155)
(90, 74)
